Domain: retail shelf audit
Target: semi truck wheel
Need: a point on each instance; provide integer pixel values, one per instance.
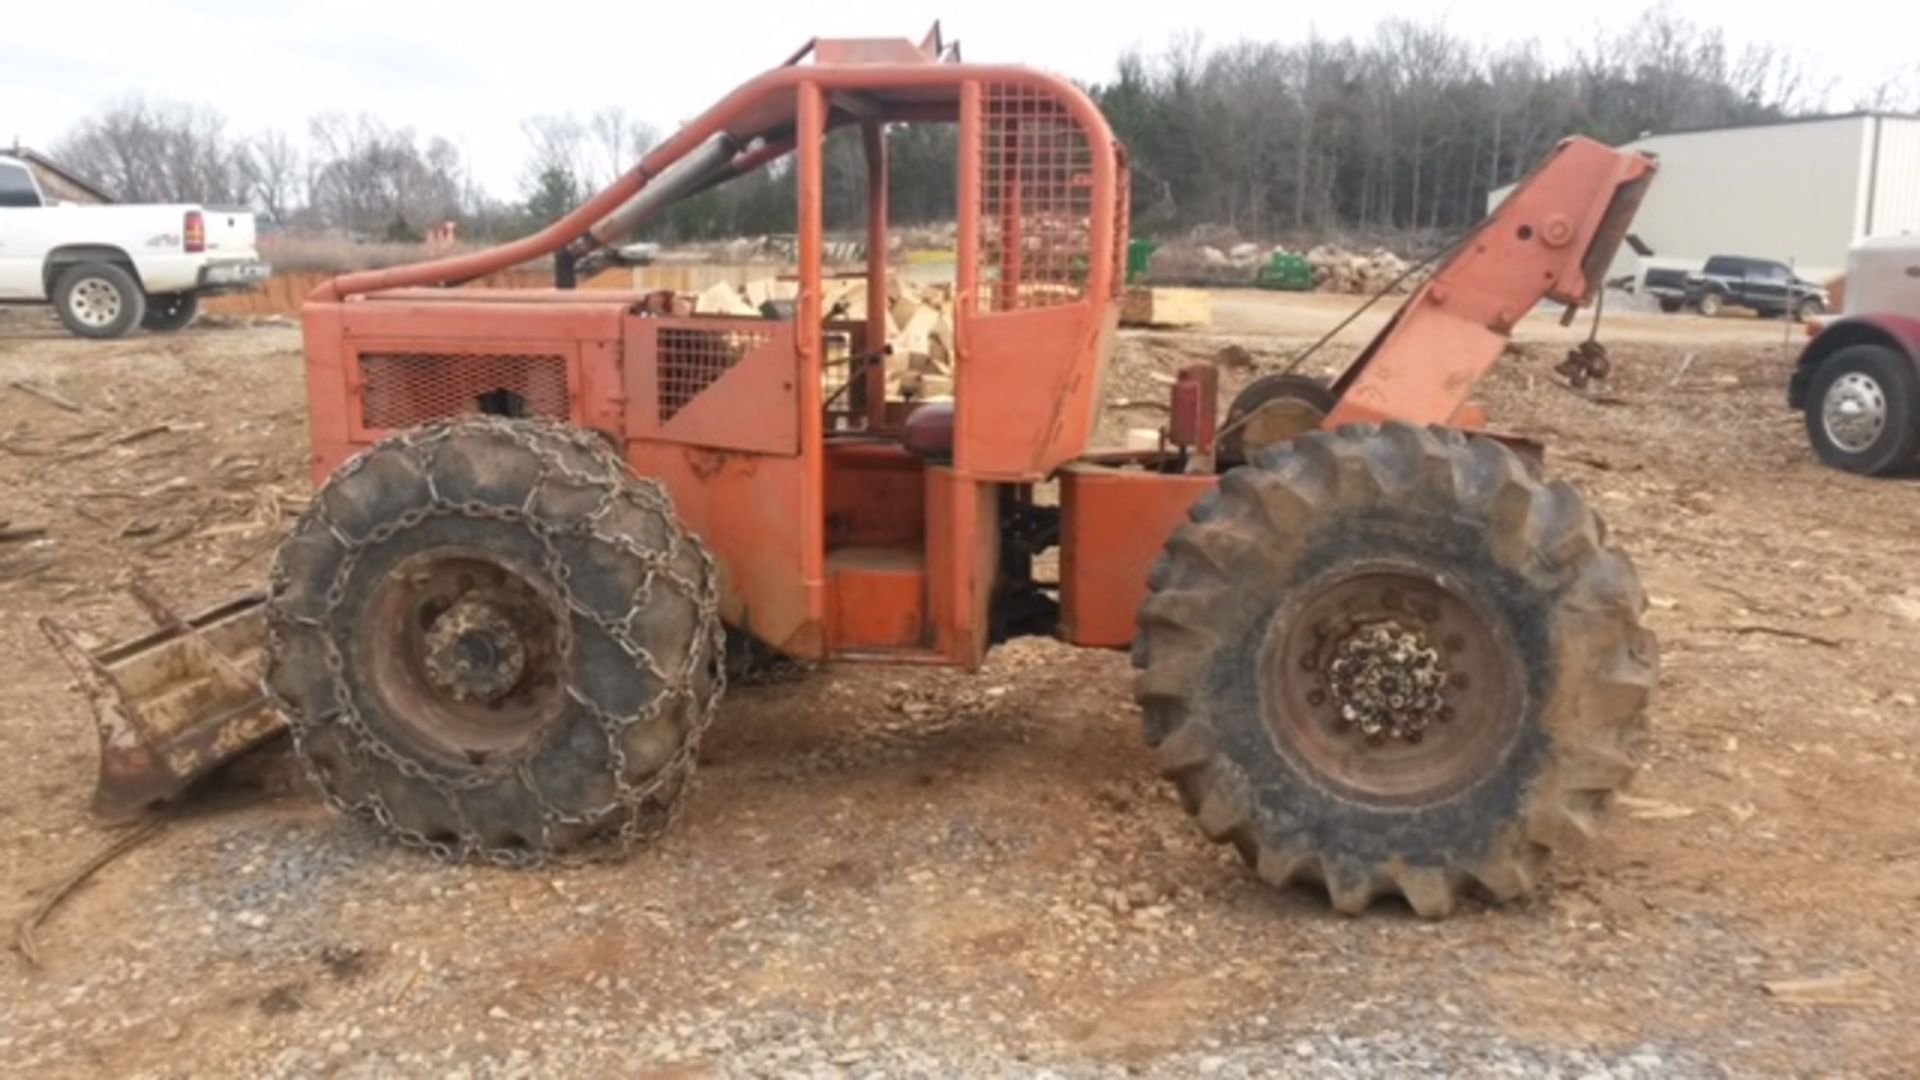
(168, 312)
(1393, 662)
(98, 300)
(1863, 411)
(494, 641)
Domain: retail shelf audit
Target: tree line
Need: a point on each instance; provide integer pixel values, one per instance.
(1402, 130)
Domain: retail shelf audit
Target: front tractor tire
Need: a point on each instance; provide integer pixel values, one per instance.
(492, 640)
(1394, 662)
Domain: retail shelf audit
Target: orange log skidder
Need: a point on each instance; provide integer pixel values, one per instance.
(1376, 651)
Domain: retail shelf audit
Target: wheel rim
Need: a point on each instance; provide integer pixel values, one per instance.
(1710, 304)
(1390, 686)
(95, 302)
(1854, 412)
(464, 649)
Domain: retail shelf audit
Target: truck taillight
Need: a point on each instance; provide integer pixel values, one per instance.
(195, 230)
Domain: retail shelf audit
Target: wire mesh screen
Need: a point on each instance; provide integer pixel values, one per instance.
(1036, 199)
(404, 389)
(691, 358)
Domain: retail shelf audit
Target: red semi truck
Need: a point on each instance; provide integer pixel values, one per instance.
(1858, 380)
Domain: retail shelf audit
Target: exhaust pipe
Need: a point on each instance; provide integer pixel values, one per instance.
(674, 182)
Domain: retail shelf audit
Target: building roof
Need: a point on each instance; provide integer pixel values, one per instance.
(1784, 121)
(41, 161)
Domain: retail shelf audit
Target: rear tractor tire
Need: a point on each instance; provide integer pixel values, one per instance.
(494, 641)
(1394, 662)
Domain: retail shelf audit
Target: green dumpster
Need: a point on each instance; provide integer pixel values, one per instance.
(1139, 254)
(1288, 272)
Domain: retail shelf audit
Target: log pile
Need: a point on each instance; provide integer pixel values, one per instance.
(918, 325)
(1338, 270)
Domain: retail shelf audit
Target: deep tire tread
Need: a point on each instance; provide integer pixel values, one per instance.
(1541, 532)
(586, 786)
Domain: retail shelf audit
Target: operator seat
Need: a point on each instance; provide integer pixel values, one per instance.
(928, 432)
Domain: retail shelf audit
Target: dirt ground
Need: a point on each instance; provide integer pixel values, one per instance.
(885, 872)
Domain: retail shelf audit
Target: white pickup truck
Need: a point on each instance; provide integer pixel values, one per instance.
(108, 269)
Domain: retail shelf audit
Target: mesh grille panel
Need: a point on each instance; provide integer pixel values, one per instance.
(691, 359)
(404, 389)
(1036, 199)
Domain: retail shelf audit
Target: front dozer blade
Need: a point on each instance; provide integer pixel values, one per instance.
(172, 705)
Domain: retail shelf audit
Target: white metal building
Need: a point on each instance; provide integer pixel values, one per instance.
(1800, 191)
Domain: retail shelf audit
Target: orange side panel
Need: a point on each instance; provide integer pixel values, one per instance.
(1113, 524)
(747, 509)
(714, 382)
(963, 559)
(876, 495)
(1026, 387)
(435, 355)
(329, 414)
(879, 598)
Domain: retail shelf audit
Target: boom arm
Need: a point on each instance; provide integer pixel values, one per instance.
(1552, 239)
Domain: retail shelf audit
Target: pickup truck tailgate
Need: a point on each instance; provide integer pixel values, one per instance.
(229, 234)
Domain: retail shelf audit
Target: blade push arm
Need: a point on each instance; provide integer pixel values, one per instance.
(1552, 239)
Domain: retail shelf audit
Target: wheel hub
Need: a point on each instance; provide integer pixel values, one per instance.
(473, 653)
(1386, 681)
(1854, 412)
(95, 302)
(463, 648)
(1390, 684)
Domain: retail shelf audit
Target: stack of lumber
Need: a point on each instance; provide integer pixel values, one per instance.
(1144, 306)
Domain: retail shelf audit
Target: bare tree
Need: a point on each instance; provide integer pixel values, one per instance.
(274, 173)
(1898, 90)
(145, 151)
(618, 142)
(373, 180)
(557, 146)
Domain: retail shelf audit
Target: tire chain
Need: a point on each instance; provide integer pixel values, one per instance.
(645, 810)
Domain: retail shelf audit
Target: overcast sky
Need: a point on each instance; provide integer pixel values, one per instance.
(473, 70)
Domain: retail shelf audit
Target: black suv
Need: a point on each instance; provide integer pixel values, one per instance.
(1767, 287)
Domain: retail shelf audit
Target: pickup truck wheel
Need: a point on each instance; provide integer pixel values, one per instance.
(99, 300)
(1808, 308)
(1710, 304)
(1392, 661)
(493, 640)
(1671, 304)
(1863, 411)
(168, 312)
